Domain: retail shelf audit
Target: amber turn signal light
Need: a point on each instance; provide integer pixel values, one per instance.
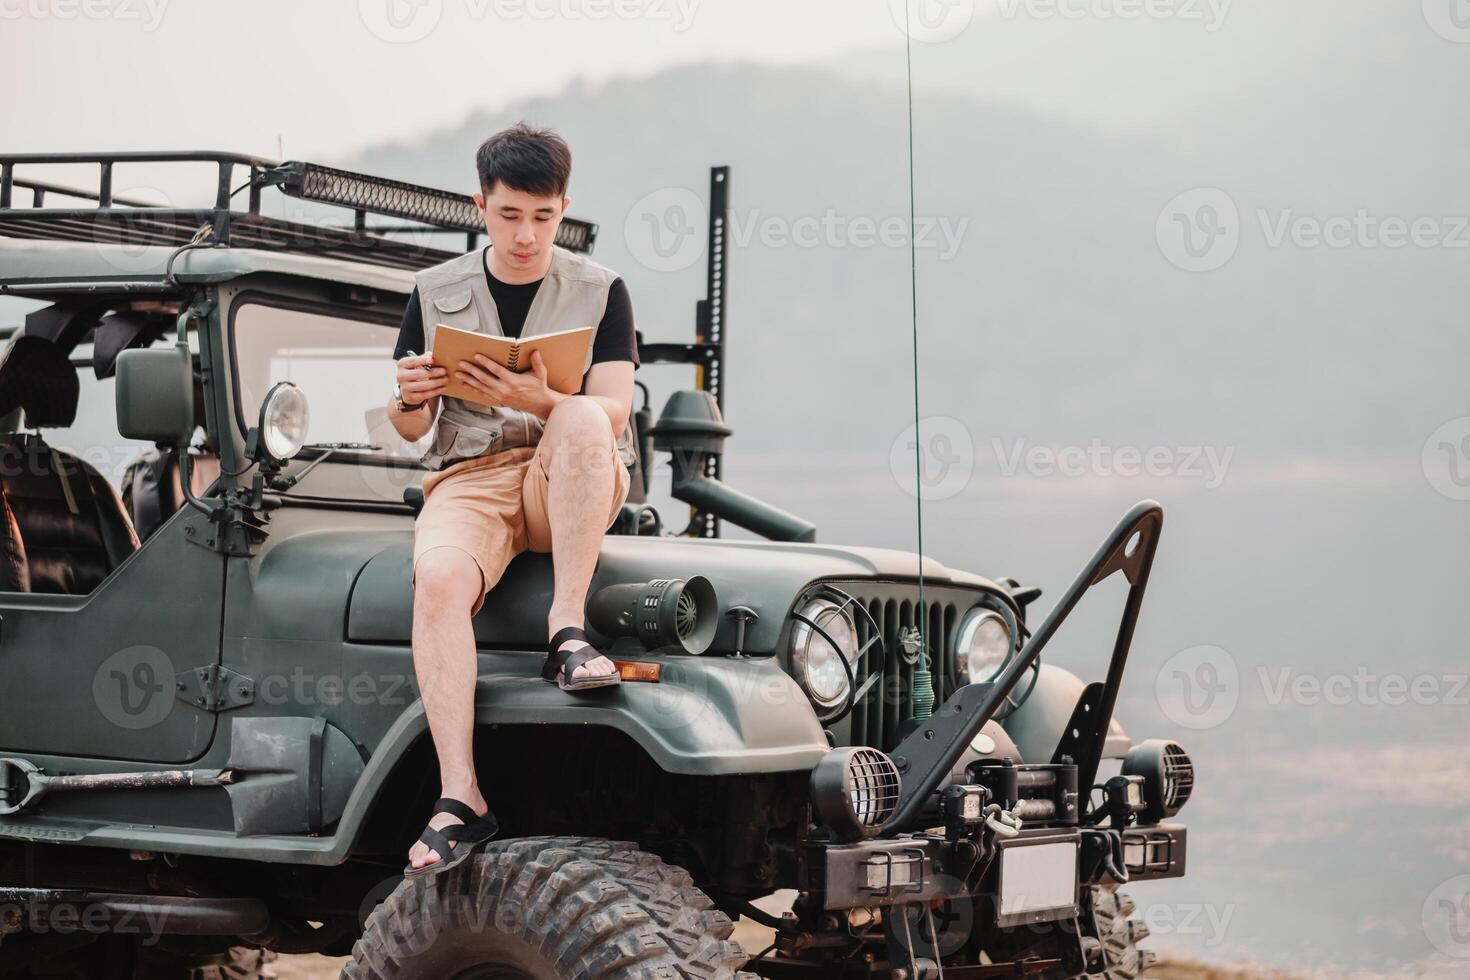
(638, 670)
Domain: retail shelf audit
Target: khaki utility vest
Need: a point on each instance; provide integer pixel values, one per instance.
(573, 294)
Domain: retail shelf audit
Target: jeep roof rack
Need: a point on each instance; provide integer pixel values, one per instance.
(109, 219)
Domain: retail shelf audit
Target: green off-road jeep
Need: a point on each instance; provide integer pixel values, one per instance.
(211, 748)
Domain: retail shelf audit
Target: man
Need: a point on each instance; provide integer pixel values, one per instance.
(540, 470)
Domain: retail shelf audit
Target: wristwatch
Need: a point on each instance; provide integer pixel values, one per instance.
(404, 406)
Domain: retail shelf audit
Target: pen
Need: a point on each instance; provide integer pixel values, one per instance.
(426, 367)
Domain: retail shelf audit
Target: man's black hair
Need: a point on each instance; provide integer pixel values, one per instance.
(525, 158)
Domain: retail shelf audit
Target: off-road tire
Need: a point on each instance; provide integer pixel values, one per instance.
(549, 908)
(1120, 935)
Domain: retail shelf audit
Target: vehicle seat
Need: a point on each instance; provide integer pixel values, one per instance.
(151, 492)
(152, 487)
(63, 527)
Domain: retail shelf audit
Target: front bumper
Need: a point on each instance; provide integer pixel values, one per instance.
(928, 867)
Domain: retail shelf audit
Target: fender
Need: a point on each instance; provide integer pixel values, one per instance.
(705, 716)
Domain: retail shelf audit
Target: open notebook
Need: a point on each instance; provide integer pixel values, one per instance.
(564, 353)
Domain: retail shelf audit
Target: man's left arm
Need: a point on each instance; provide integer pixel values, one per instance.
(614, 359)
(610, 384)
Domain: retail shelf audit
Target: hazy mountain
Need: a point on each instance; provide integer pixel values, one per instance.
(1059, 297)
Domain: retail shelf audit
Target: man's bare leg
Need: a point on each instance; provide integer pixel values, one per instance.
(581, 480)
(446, 581)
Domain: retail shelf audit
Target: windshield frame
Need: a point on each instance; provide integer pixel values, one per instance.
(257, 296)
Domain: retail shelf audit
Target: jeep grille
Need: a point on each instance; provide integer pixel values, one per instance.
(877, 715)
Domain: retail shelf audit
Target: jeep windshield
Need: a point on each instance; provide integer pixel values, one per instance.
(342, 363)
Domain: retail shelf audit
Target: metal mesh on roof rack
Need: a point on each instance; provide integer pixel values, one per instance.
(173, 228)
(379, 195)
(575, 235)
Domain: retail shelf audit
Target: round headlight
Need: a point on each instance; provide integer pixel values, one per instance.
(982, 646)
(819, 665)
(284, 416)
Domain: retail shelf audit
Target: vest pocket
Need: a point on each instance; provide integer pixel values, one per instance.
(455, 441)
(445, 434)
(457, 310)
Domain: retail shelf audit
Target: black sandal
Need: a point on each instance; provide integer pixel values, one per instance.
(473, 831)
(561, 663)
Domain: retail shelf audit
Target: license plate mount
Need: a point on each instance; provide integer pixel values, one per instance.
(1038, 880)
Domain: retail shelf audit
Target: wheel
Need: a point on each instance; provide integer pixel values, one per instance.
(547, 908)
(1120, 935)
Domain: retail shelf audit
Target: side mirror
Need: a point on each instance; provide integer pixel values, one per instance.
(155, 395)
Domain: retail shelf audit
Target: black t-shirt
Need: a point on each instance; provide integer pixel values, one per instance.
(615, 340)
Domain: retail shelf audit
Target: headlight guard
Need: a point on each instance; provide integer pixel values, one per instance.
(825, 650)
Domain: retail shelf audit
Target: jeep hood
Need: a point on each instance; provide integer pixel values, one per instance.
(767, 576)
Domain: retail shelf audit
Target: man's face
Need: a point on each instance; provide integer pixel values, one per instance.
(521, 226)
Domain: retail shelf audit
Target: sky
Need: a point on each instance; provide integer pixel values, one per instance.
(300, 80)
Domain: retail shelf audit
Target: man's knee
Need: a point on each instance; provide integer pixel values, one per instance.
(446, 578)
(579, 416)
(576, 440)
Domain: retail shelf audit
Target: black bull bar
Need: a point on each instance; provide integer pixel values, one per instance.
(930, 752)
(916, 867)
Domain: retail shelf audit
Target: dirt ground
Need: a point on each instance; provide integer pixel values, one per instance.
(322, 968)
(754, 938)
(308, 967)
(751, 936)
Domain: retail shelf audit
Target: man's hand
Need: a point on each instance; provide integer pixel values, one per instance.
(525, 391)
(419, 380)
(419, 383)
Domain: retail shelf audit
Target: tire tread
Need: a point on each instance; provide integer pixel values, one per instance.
(597, 909)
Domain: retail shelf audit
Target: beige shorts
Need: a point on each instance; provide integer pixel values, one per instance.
(494, 507)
